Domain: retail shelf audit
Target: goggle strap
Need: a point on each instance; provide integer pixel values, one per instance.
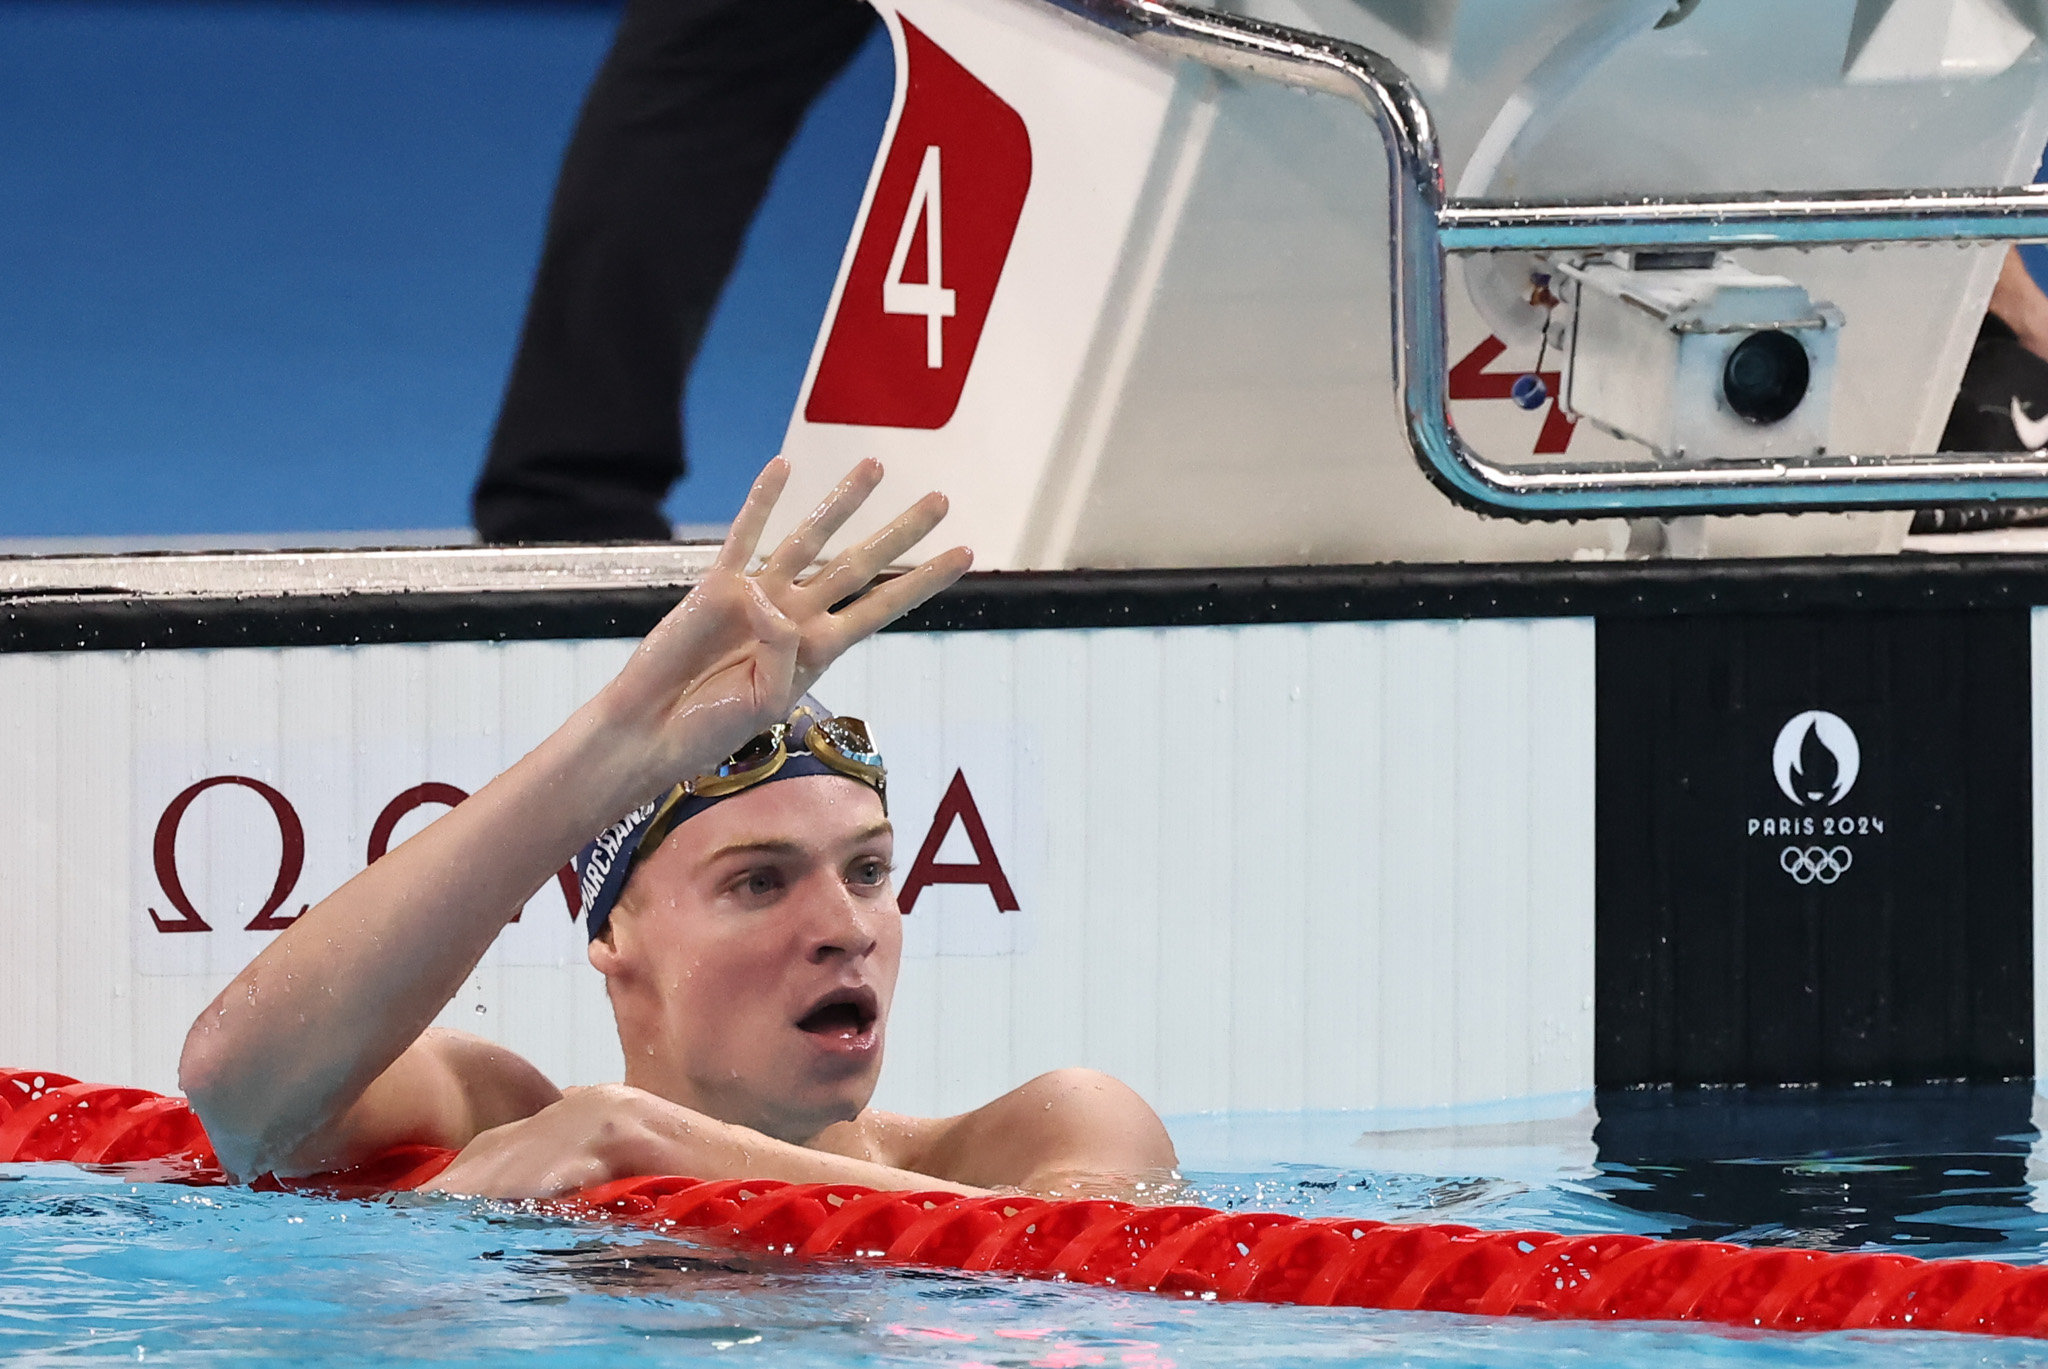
(664, 819)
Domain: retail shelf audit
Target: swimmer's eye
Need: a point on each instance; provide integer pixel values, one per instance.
(758, 883)
(871, 871)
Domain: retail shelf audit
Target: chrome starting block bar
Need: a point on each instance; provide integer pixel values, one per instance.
(1424, 226)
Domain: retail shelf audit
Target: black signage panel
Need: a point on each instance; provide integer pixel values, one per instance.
(1814, 848)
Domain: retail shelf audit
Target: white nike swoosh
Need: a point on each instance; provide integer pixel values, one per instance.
(2033, 431)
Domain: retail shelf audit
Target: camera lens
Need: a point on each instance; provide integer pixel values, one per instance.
(1766, 376)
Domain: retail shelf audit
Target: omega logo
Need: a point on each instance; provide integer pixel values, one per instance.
(956, 809)
(291, 859)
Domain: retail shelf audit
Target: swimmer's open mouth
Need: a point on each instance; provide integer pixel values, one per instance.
(843, 1012)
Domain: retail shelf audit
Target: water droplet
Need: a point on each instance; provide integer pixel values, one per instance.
(481, 1010)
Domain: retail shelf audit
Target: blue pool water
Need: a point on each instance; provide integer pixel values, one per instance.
(93, 1266)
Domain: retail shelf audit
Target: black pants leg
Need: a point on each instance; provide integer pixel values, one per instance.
(674, 149)
(2004, 386)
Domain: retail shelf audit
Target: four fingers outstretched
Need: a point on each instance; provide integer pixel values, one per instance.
(807, 598)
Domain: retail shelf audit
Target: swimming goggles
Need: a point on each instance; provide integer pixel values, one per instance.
(839, 743)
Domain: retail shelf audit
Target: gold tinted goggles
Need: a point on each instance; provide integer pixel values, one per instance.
(839, 743)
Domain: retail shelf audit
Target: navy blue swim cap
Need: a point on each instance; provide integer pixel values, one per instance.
(605, 865)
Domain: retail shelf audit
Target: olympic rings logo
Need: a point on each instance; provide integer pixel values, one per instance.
(1809, 863)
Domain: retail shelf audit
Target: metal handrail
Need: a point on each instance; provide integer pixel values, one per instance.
(1424, 226)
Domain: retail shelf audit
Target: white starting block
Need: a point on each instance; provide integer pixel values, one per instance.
(1130, 311)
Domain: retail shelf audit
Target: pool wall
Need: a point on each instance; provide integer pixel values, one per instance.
(1235, 855)
(1387, 838)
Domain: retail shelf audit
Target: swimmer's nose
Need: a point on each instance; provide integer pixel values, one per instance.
(843, 925)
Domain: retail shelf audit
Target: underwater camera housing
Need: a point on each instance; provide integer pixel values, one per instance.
(1694, 356)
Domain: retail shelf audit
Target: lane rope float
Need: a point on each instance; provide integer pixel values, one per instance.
(1183, 1251)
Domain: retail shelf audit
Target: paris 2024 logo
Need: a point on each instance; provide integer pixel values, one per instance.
(1816, 759)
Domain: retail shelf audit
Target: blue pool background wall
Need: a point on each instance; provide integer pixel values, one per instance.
(262, 262)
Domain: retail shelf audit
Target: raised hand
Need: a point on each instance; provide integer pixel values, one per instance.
(734, 657)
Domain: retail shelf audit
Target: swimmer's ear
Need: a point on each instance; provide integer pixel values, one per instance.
(604, 952)
(607, 952)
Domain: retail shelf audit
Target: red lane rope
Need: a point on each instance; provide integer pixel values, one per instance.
(1186, 1251)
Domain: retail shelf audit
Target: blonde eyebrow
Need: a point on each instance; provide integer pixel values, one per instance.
(751, 848)
(774, 847)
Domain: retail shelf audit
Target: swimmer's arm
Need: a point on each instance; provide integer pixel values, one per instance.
(614, 1131)
(276, 1063)
(1073, 1131)
(446, 1088)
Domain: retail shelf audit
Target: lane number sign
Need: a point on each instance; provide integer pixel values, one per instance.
(929, 297)
(930, 253)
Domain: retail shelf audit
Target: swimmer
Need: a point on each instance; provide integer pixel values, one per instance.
(741, 911)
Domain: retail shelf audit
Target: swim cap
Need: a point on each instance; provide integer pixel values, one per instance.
(605, 865)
